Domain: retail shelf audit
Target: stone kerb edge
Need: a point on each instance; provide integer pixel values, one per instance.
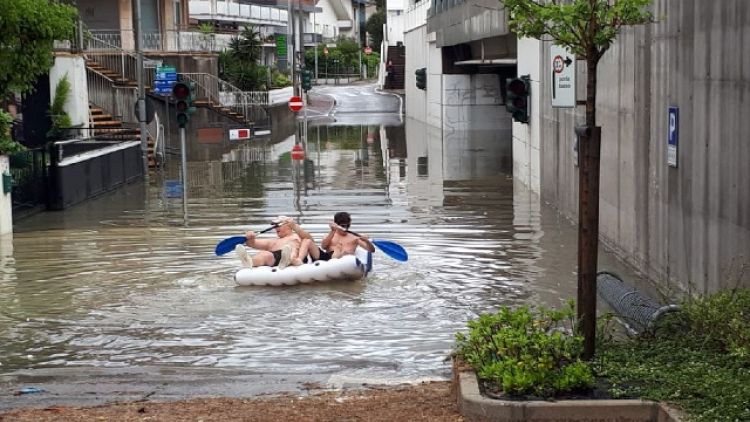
(476, 407)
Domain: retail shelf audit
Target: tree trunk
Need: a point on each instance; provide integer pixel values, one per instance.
(589, 149)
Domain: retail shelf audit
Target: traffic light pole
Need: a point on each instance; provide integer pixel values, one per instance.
(184, 173)
(141, 89)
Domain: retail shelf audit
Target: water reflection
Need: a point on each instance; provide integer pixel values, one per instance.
(121, 281)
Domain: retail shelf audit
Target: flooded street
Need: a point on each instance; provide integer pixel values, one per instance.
(128, 281)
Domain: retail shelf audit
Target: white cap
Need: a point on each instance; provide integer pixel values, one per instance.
(280, 220)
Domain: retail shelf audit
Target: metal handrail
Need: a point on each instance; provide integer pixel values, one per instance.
(117, 100)
(116, 59)
(221, 93)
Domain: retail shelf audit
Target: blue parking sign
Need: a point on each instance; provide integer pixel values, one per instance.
(673, 135)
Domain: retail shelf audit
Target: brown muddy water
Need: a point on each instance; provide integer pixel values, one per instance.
(127, 280)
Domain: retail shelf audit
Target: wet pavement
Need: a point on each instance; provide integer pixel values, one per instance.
(122, 297)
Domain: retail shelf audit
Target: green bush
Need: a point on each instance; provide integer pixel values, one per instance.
(280, 80)
(60, 118)
(7, 144)
(524, 352)
(696, 359)
(724, 321)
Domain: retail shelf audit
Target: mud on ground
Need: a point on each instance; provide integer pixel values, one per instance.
(423, 402)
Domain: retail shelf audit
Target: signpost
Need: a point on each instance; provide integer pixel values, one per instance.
(563, 77)
(164, 79)
(295, 103)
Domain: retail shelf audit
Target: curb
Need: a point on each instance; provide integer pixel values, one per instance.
(476, 407)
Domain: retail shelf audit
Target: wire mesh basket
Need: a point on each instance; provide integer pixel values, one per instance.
(637, 311)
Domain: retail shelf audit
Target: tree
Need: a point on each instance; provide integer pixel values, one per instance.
(587, 28)
(374, 27)
(28, 29)
(247, 47)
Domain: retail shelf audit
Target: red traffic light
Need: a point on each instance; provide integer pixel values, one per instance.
(181, 91)
(517, 87)
(519, 102)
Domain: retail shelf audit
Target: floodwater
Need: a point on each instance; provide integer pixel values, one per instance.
(128, 280)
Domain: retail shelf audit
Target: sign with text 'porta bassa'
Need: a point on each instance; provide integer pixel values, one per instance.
(563, 73)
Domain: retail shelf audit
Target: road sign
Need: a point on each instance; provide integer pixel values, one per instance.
(673, 135)
(280, 45)
(563, 77)
(165, 77)
(368, 50)
(297, 152)
(296, 104)
(239, 134)
(151, 64)
(173, 189)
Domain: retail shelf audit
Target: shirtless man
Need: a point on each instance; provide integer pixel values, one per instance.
(274, 252)
(337, 243)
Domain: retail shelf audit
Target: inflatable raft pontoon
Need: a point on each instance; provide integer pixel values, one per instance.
(349, 268)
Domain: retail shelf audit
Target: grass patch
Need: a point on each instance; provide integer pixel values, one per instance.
(696, 359)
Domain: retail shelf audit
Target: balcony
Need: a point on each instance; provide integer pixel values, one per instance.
(462, 21)
(240, 13)
(310, 39)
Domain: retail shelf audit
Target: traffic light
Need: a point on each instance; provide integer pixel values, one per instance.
(306, 80)
(421, 78)
(183, 94)
(518, 99)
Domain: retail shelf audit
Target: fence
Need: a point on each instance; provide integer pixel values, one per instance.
(29, 172)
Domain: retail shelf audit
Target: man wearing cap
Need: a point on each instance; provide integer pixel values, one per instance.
(274, 252)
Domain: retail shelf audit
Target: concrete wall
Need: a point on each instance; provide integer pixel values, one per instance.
(416, 57)
(395, 27)
(6, 203)
(526, 138)
(684, 227)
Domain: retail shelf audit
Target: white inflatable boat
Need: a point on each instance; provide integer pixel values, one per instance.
(350, 268)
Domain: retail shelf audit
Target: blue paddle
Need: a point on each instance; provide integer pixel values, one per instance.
(227, 245)
(392, 249)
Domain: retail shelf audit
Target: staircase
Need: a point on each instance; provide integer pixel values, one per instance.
(397, 56)
(105, 127)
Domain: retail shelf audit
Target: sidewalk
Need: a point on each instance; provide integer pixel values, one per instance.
(421, 402)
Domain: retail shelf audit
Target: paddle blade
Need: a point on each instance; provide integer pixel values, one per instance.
(228, 244)
(392, 249)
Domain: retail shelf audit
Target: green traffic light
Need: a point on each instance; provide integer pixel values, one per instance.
(182, 119)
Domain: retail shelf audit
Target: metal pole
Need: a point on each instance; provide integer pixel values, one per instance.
(141, 90)
(304, 107)
(184, 173)
(167, 133)
(301, 47)
(315, 34)
(290, 44)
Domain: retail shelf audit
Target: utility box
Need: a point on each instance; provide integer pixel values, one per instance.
(7, 183)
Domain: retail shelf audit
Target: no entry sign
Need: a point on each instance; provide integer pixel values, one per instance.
(295, 104)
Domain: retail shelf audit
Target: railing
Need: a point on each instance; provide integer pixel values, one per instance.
(237, 12)
(224, 94)
(29, 174)
(187, 40)
(113, 57)
(114, 99)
